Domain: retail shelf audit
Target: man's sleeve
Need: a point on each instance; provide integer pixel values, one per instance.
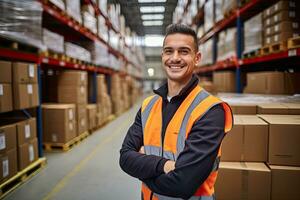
(134, 163)
(195, 162)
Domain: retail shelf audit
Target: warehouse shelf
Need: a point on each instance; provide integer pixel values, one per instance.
(23, 56)
(235, 63)
(247, 11)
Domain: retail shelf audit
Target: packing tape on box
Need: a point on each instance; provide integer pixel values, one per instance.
(245, 182)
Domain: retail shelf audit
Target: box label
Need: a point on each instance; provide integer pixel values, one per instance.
(31, 152)
(276, 28)
(5, 167)
(82, 122)
(268, 31)
(1, 90)
(71, 126)
(276, 38)
(276, 7)
(82, 77)
(54, 137)
(29, 89)
(71, 114)
(31, 70)
(292, 14)
(268, 22)
(27, 131)
(2, 141)
(295, 25)
(82, 90)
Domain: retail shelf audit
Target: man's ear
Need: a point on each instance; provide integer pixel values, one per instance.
(198, 57)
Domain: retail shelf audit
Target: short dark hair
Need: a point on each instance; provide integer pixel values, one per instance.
(183, 29)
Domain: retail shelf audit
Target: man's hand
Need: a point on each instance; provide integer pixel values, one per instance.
(142, 150)
(169, 166)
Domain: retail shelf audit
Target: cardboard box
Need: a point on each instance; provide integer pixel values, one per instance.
(238, 181)
(285, 182)
(25, 96)
(224, 81)
(81, 117)
(8, 137)
(284, 26)
(279, 37)
(284, 137)
(72, 94)
(243, 109)
(280, 6)
(284, 15)
(26, 130)
(24, 72)
(5, 72)
(265, 83)
(72, 77)
(8, 164)
(27, 153)
(92, 113)
(272, 108)
(292, 82)
(59, 122)
(6, 97)
(238, 144)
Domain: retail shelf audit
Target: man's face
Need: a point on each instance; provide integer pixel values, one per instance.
(179, 57)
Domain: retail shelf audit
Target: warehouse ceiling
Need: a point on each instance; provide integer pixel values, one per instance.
(147, 16)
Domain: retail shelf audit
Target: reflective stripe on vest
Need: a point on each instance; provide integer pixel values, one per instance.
(196, 104)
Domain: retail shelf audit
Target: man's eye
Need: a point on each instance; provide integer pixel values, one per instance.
(184, 52)
(168, 51)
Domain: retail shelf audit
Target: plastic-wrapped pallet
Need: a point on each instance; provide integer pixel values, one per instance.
(99, 53)
(73, 9)
(208, 15)
(53, 41)
(206, 49)
(103, 6)
(230, 41)
(218, 10)
(253, 33)
(59, 3)
(102, 28)
(90, 22)
(201, 3)
(113, 39)
(21, 20)
(221, 46)
(77, 52)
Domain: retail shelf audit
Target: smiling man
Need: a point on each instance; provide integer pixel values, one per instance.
(173, 146)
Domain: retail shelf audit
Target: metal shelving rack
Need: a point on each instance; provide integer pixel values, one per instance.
(237, 19)
(42, 61)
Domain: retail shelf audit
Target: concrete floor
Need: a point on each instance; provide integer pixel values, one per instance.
(88, 171)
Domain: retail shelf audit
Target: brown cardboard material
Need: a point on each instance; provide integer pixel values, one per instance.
(243, 109)
(26, 130)
(6, 97)
(272, 108)
(278, 7)
(5, 72)
(265, 83)
(27, 153)
(247, 141)
(81, 117)
(72, 77)
(284, 137)
(293, 108)
(92, 114)
(8, 164)
(24, 72)
(25, 96)
(8, 137)
(280, 37)
(224, 81)
(292, 82)
(284, 15)
(244, 180)
(284, 26)
(285, 182)
(72, 94)
(59, 122)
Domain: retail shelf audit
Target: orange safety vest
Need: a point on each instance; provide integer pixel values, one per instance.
(196, 104)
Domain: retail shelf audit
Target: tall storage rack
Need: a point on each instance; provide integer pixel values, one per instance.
(78, 31)
(237, 19)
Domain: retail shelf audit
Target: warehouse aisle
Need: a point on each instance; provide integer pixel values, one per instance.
(89, 171)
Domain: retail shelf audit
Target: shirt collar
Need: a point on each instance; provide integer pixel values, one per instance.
(163, 90)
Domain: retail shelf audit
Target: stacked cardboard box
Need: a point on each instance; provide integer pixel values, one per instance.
(92, 116)
(116, 94)
(272, 83)
(25, 85)
(59, 123)
(125, 92)
(8, 151)
(104, 106)
(72, 88)
(279, 108)
(281, 22)
(224, 81)
(5, 86)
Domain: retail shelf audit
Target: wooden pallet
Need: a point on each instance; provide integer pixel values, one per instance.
(294, 42)
(252, 54)
(54, 55)
(278, 47)
(52, 147)
(21, 177)
(265, 50)
(15, 45)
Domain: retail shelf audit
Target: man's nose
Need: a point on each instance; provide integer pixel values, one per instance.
(176, 56)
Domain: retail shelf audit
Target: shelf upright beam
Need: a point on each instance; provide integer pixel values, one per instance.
(39, 113)
(95, 87)
(239, 44)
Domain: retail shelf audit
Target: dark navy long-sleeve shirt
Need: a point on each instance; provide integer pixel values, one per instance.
(194, 163)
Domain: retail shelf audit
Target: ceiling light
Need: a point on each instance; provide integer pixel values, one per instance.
(153, 17)
(152, 9)
(154, 40)
(152, 23)
(152, 1)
